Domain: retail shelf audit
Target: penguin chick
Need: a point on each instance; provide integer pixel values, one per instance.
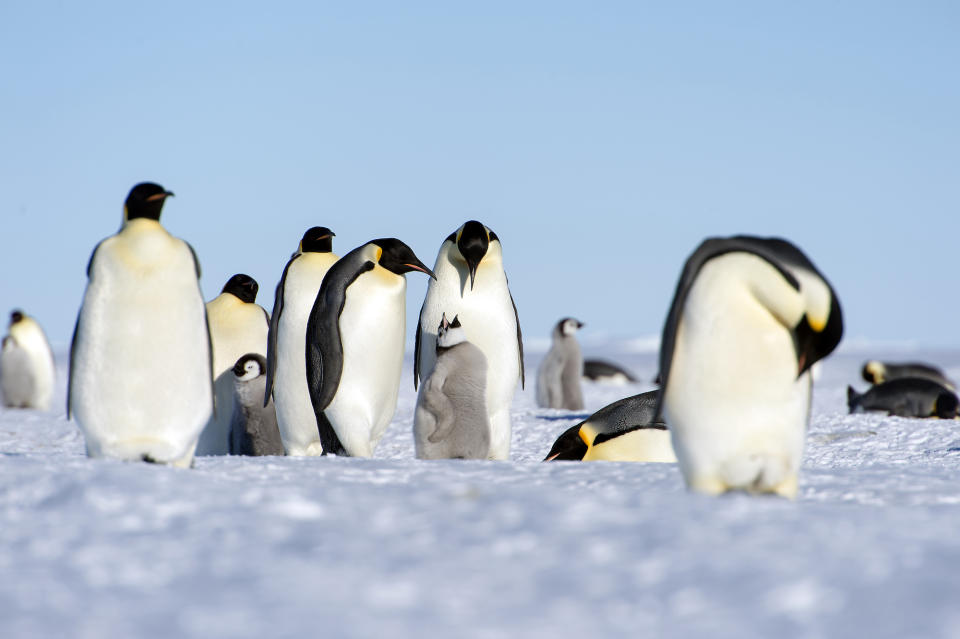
(253, 429)
(451, 414)
(558, 378)
(906, 397)
(603, 372)
(27, 373)
(877, 372)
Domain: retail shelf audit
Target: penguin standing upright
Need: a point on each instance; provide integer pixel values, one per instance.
(750, 316)
(286, 366)
(238, 325)
(27, 372)
(140, 364)
(253, 430)
(558, 378)
(354, 349)
(471, 284)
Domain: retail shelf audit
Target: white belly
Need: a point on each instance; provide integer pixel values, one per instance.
(140, 385)
(27, 372)
(372, 327)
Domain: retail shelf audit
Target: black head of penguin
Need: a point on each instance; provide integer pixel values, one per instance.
(318, 239)
(145, 200)
(16, 317)
(242, 286)
(473, 244)
(399, 258)
(813, 345)
(946, 405)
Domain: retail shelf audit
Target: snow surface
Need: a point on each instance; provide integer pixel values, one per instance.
(391, 547)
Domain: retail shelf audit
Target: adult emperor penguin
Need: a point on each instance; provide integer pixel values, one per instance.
(906, 397)
(26, 365)
(877, 372)
(354, 350)
(238, 325)
(286, 366)
(558, 378)
(140, 364)
(750, 316)
(471, 284)
(253, 430)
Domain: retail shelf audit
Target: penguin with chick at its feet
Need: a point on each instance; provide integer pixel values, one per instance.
(558, 378)
(27, 372)
(286, 370)
(140, 385)
(471, 284)
(749, 317)
(354, 345)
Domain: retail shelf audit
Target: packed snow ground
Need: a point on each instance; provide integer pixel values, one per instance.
(395, 547)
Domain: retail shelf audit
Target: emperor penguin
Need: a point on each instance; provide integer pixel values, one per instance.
(354, 345)
(286, 367)
(253, 430)
(877, 372)
(472, 285)
(604, 372)
(26, 365)
(626, 430)
(558, 378)
(749, 317)
(450, 420)
(906, 397)
(140, 383)
(238, 325)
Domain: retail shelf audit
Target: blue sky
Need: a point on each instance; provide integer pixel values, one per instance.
(601, 142)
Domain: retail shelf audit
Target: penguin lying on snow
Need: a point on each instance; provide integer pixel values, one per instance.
(558, 378)
(598, 370)
(253, 426)
(749, 317)
(451, 415)
(906, 397)
(877, 372)
(626, 430)
(27, 372)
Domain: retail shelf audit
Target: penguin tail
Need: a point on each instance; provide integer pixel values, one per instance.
(853, 399)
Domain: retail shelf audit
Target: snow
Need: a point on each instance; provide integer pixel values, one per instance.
(336, 547)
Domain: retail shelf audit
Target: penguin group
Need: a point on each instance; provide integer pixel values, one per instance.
(913, 389)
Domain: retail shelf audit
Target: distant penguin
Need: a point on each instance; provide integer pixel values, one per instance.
(451, 415)
(906, 397)
(877, 372)
(558, 378)
(26, 365)
(140, 364)
(238, 325)
(472, 285)
(597, 370)
(626, 430)
(253, 430)
(355, 339)
(286, 365)
(750, 316)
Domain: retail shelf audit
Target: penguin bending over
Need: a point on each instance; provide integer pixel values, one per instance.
(906, 397)
(140, 381)
(253, 430)
(877, 372)
(625, 430)
(598, 370)
(558, 378)
(238, 325)
(750, 316)
(286, 365)
(354, 345)
(27, 373)
(451, 415)
(471, 284)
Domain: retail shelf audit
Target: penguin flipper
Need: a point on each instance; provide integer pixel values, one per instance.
(273, 328)
(416, 352)
(196, 261)
(523, 378)
(73, 350)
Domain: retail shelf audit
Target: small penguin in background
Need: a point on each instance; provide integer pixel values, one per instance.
(140, 384)
(238, 325)
(450, 420)
(471, 284)
(354, 345)
(906, 397)
(558, 378)
(600, 371)
(27, 373)
(750, 316)
(626, 430)
(877, 372)
(286, 341)
(253, 430)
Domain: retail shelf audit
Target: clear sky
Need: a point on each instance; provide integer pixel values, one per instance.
(601, 141)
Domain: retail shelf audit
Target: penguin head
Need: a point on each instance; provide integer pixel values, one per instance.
(243, 287)
(249, 366)
(145, 200)
(397, 257)
(317, 239)
(946, 405)
(450, 334)
(874, 372)
(16, 316)
(570, 446)
(473, 240)
(567, 327)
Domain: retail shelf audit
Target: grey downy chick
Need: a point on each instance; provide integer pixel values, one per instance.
(558, 378)
(253, 428)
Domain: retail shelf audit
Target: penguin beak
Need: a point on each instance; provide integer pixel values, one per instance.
(160, 196)
(472, 267)
(422, 268)
(580, 325)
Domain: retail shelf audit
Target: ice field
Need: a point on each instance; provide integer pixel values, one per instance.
(395, 547)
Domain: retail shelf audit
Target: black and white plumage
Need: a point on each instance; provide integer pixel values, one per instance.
(906, 397)
(558, 378)
(877, 372)
(601, 371)
(27, 372)
(750, 316)
(253, 426)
